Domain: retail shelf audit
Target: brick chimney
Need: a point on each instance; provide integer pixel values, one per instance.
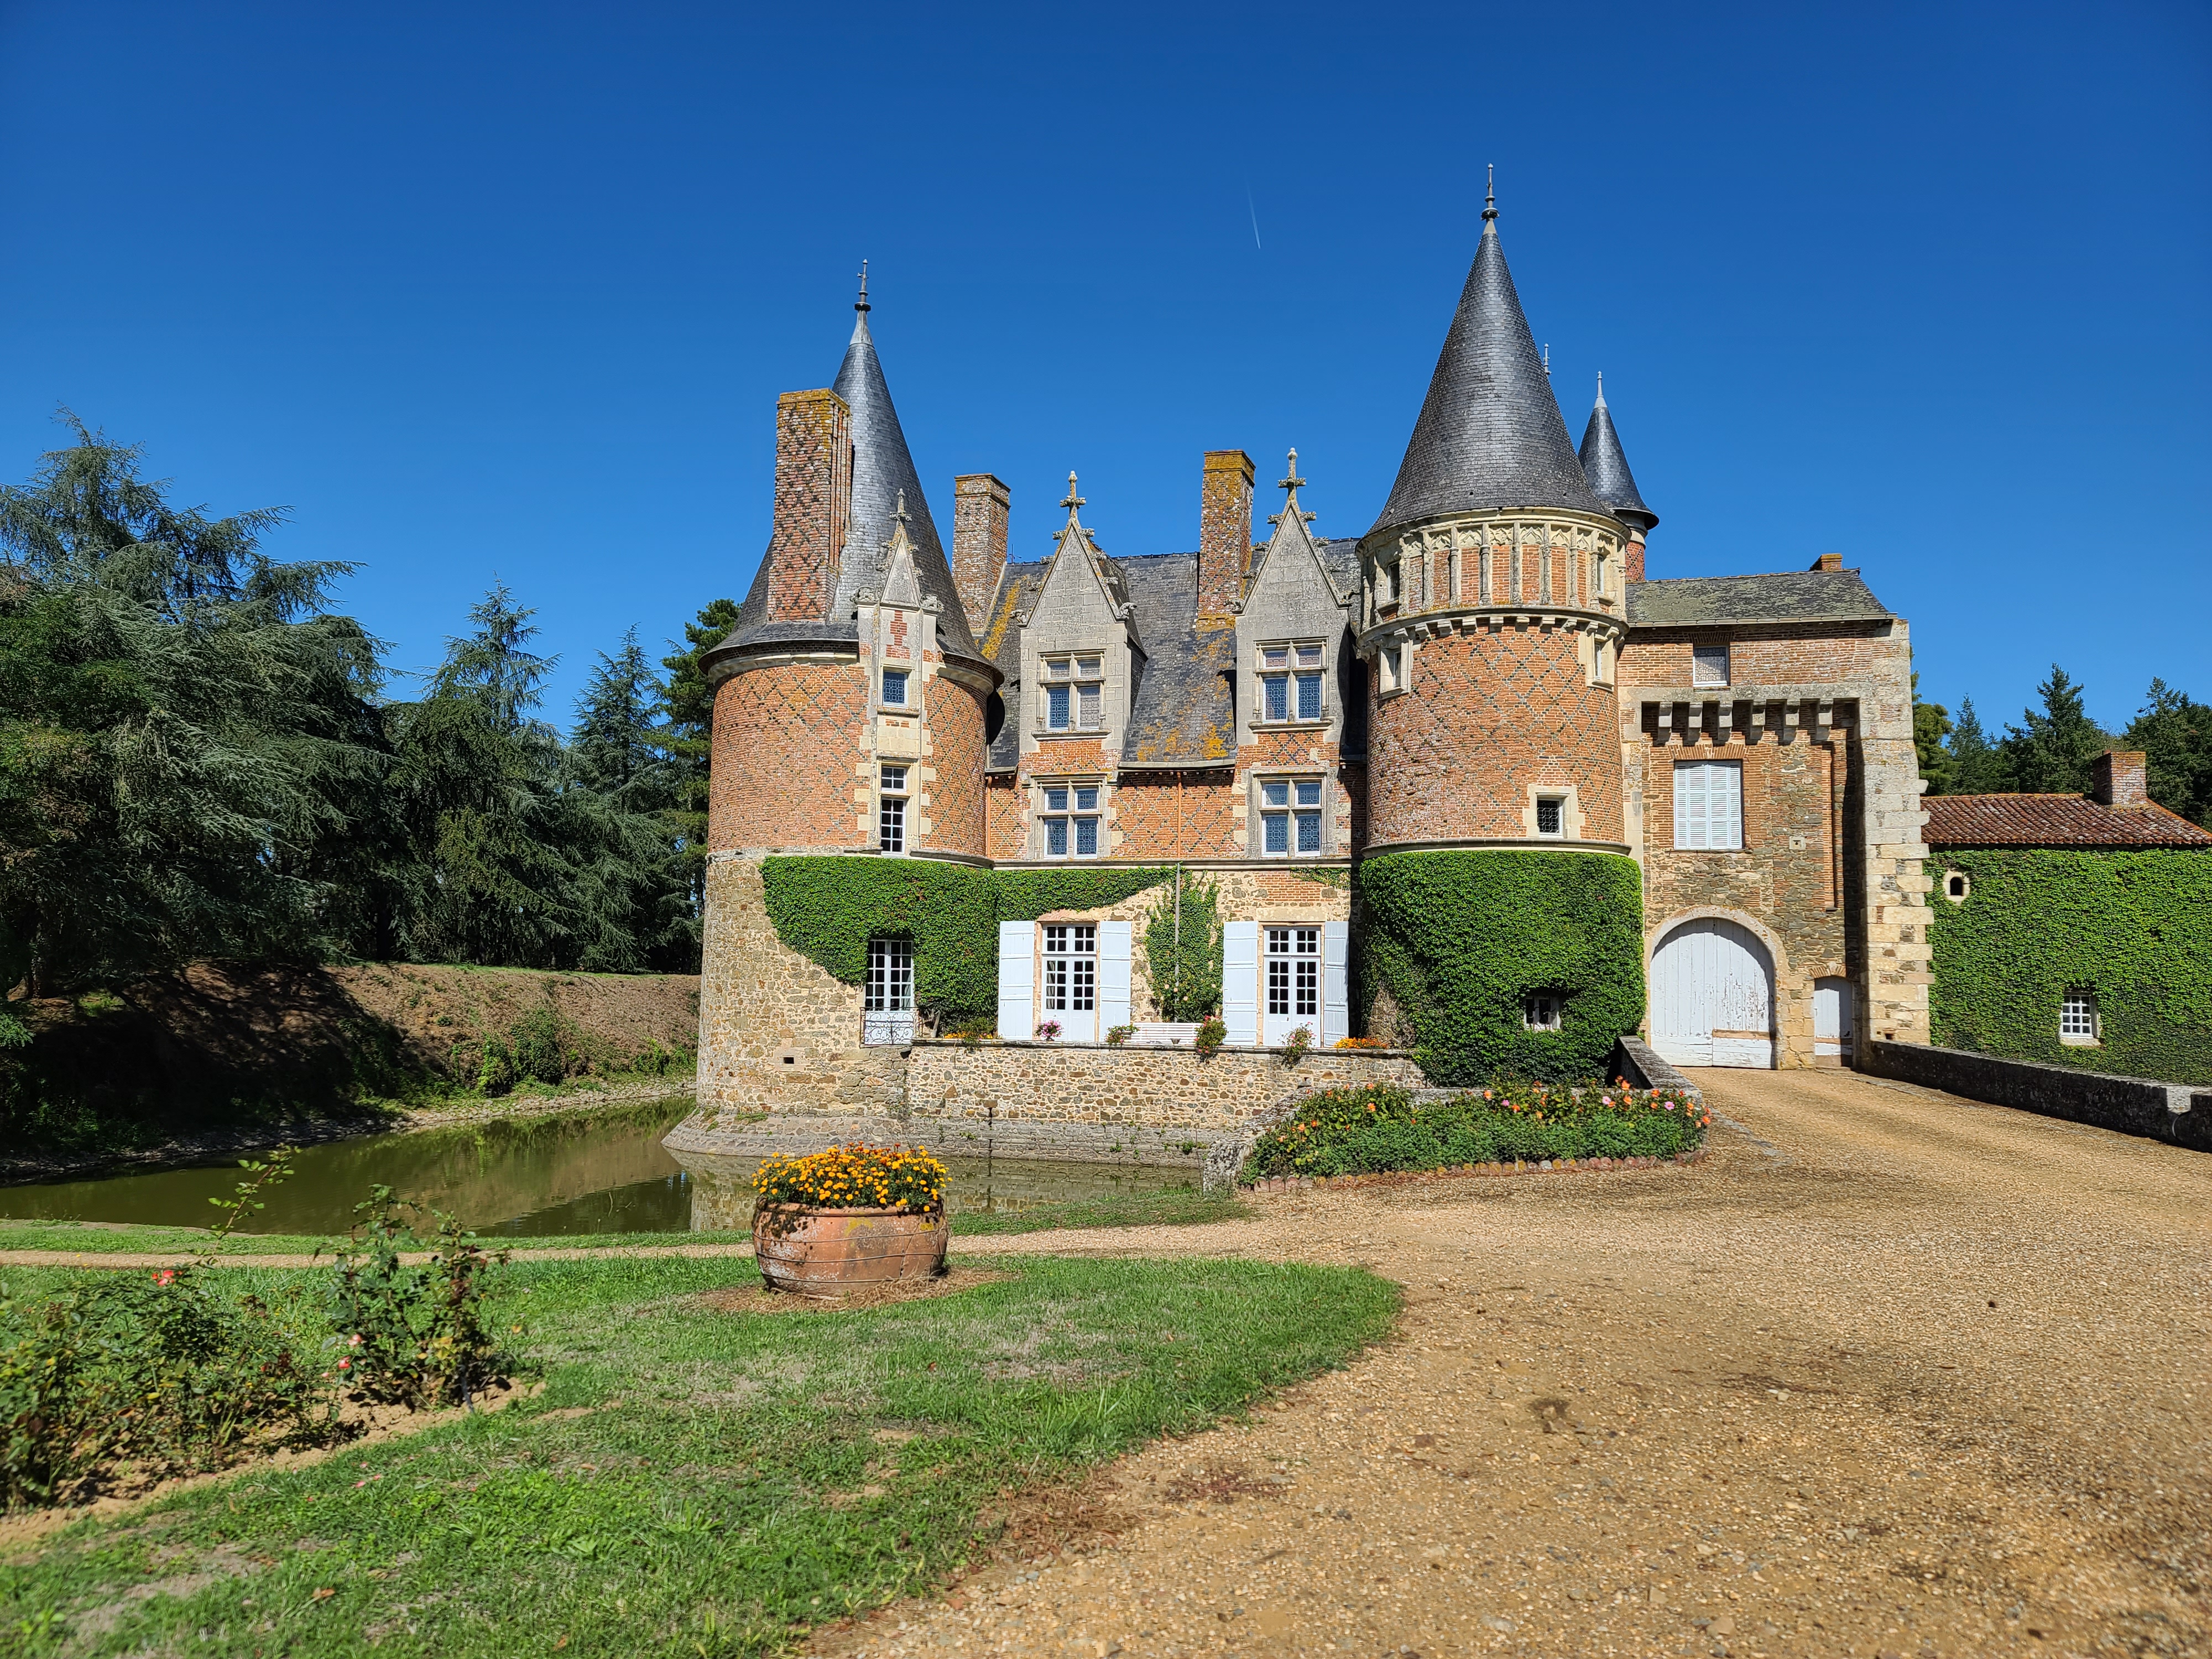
(2115, 778)
(813, 504)
(1225, 535)
(1828, 561)
(979, 506)
(1631, 556)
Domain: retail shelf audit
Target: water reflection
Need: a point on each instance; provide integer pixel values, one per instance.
(535, 1177)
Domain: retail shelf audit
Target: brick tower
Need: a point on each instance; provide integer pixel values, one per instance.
(850, 716)
(1494, 606)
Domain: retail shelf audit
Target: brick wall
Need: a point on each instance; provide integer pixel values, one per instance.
(788, 737)
(980, 505)
(953, 775)
(1757, 657)
(1224, 533)
(813, 500)
(1488, 715)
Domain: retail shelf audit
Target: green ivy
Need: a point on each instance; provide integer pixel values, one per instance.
(827, 909)
(1186, 978)
(2134, 928)
(1460, 940)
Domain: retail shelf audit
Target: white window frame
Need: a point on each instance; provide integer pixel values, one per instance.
(904, 700)
(1069, 984)
(2079, 1024)
(1304, 662)
(1701, 667)
(1599, 563)
(1291, 811)
(1390, 670)
(1072, 813)
(887, 999)
(1080, 686)
(891, 808)
(1290, 977)
(1697, 830)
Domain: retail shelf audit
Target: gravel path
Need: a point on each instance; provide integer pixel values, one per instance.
(1889, 1374)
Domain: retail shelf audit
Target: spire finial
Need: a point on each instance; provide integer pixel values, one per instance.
(1548, 360)
(1601, 388)
(861, 304)
(1071, 500)
(1293, 483)
(899, 512)
(1490, 198)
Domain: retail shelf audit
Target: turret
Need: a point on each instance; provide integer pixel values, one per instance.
(1606, 469)
(1494, 608)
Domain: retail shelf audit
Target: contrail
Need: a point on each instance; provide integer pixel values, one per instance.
(1255, 218)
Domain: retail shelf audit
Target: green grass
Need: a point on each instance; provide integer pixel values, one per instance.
(1179, 1206)
(729, 1480)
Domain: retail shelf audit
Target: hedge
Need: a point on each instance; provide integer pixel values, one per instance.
(2134, 928)
(827, 908)
(1460, 940)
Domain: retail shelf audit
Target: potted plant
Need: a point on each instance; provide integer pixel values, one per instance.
(1048, 1030)
(1118, 1034)
(851, 1216)
(1211, 1034)
(1295, 1046)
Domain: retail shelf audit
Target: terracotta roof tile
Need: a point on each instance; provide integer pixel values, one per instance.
(2054, 821)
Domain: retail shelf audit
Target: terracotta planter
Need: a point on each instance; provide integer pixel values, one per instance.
(829, 1252)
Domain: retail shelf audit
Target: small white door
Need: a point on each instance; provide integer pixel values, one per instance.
(1712, 996)
(1831, 1017)
(1290, 984)
(1069, 983)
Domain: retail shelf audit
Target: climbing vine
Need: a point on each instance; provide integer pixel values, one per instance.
(2133, 928)
(827, 909)
(1460, 941)
(1186, 976)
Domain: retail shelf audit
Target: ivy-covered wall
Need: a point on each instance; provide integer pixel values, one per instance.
(827, 908)
(1458, 941)
(2134, 928)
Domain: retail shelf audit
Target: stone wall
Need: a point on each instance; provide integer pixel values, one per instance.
(2130, 1105)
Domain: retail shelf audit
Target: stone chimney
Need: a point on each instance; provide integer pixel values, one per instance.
(1225, 535)
(1828, 561)
(813, 504)
(2115, 778)
(979, 507)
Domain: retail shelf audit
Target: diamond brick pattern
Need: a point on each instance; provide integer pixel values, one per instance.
(787, 740)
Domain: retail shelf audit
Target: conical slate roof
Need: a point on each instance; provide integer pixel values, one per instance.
(1607, 468)
(1490, 435)
(882, 471)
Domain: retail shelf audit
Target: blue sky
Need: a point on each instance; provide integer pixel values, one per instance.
(481, 291)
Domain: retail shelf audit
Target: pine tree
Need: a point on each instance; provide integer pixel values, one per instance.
(2051, 753)
(2175, 736)
(1977, 766)
(631, 886)
(616, 746)
(690, 704)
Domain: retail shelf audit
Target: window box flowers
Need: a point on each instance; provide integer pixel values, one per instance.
(853, 1216)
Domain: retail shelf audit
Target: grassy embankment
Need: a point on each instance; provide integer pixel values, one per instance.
(1179, 1206)
(690, 1481)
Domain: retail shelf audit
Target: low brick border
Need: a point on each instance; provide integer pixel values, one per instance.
(1464, 1172)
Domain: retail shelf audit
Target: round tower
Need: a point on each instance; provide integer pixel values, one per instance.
(1494, 606)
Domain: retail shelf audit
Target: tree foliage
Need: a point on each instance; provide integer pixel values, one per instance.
(2049, 751)
(2175, 737)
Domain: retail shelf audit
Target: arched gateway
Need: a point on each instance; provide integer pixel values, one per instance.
(1712, 996)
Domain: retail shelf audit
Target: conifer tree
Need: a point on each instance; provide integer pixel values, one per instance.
(690, 704)
(2050, 752)
(1977, 766)
(2175, 736)
(1931, 724)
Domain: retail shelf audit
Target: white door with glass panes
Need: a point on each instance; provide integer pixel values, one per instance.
(887, 1003)
(1290, 969)
(1069, 991)
(1290, 816)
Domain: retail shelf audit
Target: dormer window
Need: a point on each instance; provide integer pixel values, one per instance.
(1074, 693)
(894, 688)
(1290, 679)
(1069, 814)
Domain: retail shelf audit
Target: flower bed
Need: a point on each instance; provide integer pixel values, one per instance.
(1340, 1132)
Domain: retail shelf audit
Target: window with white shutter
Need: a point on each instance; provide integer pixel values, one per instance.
(1709, 804)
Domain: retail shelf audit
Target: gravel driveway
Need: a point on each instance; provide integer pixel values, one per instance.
(1889, 1373)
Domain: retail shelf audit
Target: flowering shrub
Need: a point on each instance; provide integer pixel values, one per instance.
(1356, 1131)
(1211, 1034)
(1048, 1030)
(1298, 1043)
(411, 1336)
(1118, 1034)
(857, 1177)
(1361, 1042)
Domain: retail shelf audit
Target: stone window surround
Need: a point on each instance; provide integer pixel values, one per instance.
(1038, 814)
(1255, 831)
(1571, 822)
(1955, 885)
(1260, 670)
(1075, 683)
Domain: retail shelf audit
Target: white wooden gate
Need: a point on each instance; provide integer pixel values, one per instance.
(1712, 996)
(1831, 1017)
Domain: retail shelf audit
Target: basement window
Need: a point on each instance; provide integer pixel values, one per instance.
(1541, 1012)
(2078, 1025)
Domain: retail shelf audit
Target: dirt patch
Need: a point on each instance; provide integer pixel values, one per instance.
(364, 1426)
(759, 1299)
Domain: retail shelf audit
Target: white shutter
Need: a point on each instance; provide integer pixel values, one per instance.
(1113, 975)
(1724, 807)
(1017, 980)
(1335, 1006)
(1240, 982)
(1689, 803)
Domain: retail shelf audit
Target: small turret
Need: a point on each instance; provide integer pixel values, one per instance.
(1610, 480)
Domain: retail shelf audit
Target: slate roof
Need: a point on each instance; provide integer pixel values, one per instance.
(1002, 644)
(1489, 433)
(2054, 821)
(882, 468)
(1181, 711)
(1606, 467)
(1341, 560)
(1827, 596)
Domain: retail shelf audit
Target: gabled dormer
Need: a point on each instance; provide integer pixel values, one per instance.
(1297, 672)
(1080, 654)
(898, 627)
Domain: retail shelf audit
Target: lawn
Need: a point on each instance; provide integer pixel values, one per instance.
(691, 1482)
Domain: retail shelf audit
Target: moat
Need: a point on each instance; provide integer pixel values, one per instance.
(534, 1177)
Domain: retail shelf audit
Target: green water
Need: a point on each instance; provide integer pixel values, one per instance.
(533, 1177)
